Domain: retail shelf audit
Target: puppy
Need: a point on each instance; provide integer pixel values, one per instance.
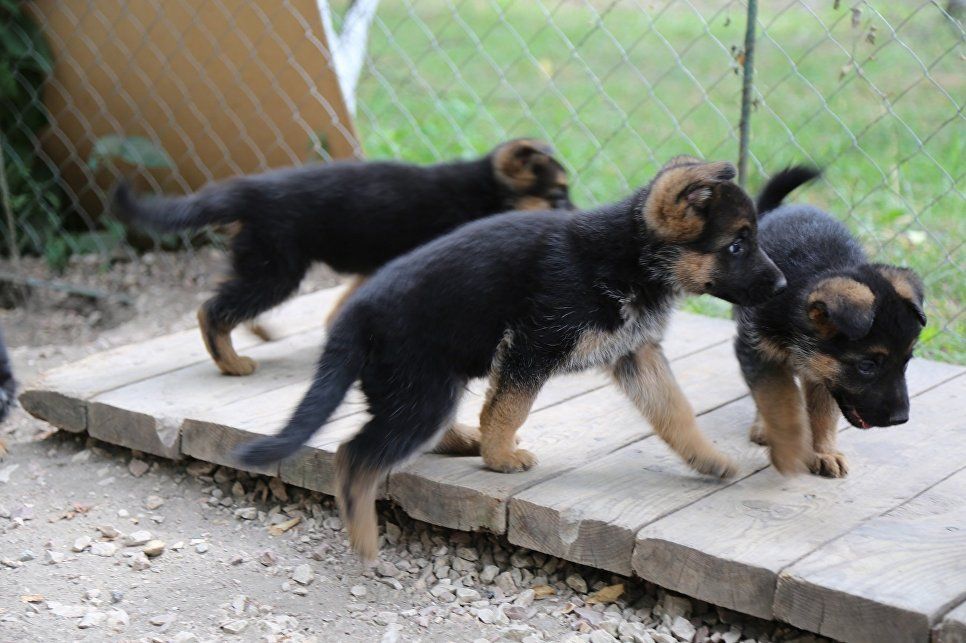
(521, 299)
(844, 327)
(8, 388)
(354, 216)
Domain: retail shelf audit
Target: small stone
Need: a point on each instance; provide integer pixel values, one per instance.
(268, 558)
(235, 627)
(199, 468)
(53, 557)
(577, 583)
(137, 468)
(67, 611)
(386, 569)
(136, 539)
(153, 548)
(108, 532)
(303, 575)
(139, 563)
(515, 612)
(246, 513)
(521, 559)
(393, 533)
(661, 637)
(732, 636)
(201, 548)
(92, 618)
(103, 549)
(465, 595)
(505, 582)
(333, 522)
(358, 591)
(675, 606)
(118, 619)
(525, 599)
(277, 487)
(682, 629)
(117, 596)
(391, 635)
(467, 553)
(600, 636)
(385, 618)
(635, 631)
(26, 556)
(161, 620)
(153, 502)
(184, 637)
(488, 574)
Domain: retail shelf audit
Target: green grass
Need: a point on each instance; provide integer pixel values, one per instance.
(619, 89)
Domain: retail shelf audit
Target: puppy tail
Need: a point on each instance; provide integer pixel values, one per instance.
(217, 204)
(341, 362)
(780, 185)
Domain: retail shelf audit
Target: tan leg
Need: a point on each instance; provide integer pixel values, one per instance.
(505, 410)
(757, 431)
(461, 439)
(353, 285)
(646, 378)
(823, 415)
(218, 343)
(356, 497)
(259, 330)
(782, 410)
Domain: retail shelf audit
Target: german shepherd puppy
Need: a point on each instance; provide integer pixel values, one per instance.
(8, 388)
(846, 328)
(521, 298)
(354, 216)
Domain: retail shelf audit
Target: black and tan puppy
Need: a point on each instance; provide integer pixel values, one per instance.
(846, 328)
(353, 216)
(521, 299)
(8, 388)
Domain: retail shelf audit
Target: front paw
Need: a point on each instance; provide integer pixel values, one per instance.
(757, 433)
(713, 464)
(829, 465)
(510, 461)
(788, 460)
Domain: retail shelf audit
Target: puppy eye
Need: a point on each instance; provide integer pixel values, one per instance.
(866, 368)
(736, 247)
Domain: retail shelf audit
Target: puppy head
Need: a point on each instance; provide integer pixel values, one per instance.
(865, 323)
(535, 179)
(694, 206)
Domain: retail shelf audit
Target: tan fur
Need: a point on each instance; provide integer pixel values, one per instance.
(353, 285)
(460, 440)
(358, 494)
(823, 415)
(822, 367)
(3, 449)
(785, 422)
(667, 212)
(513, 171)
(900, 282)
(650, 385)
(533, 203)
(772, 351)
(259, 330)
(757, 431)
(694, 271)
(222, 351)
(503, 413)
(838, 293)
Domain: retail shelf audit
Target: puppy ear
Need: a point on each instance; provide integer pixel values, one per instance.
(841, 305)
(907, 285)
(516, 163)
(674, 207)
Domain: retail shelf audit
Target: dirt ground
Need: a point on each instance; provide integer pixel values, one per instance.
(244, 558)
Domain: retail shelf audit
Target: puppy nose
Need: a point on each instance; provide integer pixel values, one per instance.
(898, 417)
(780, 286)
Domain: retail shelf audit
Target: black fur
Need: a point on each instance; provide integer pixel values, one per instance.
(8, 385)
(354, 216)
(810, 246)
(512, 293)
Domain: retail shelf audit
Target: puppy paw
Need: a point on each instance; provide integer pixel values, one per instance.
(510, 461)
(788, 461)
(714, 464)
(829, 465)
(756, 433)
(239, 366)
(461, 440)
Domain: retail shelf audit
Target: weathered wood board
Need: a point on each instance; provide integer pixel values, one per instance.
(729, 547)
(953, 628)
(892, 577)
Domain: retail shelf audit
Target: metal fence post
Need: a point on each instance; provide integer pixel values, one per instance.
(747, 85)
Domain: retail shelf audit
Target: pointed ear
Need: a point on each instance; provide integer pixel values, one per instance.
(907, 285)
(676, 199)
(841, 305)
(516, 163)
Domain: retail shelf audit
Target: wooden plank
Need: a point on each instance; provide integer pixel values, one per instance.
(592, 514)
(459, 493)
(953, 629)
(729, 548)
(891, 578)
(60, 395)
(148, 414)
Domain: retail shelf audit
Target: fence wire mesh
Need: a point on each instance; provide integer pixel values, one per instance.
(872, 91)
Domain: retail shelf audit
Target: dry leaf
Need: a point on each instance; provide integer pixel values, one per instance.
(607, 594)
(32, 598)
(282, 527)
(543, 591)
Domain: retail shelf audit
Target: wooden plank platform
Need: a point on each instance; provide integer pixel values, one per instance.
(880, 555)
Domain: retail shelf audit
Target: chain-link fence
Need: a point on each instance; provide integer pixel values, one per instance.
(872, 91)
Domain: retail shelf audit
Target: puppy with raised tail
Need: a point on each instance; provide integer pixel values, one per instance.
(521, 298)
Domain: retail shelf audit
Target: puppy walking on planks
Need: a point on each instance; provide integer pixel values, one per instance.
(845, 327)
(353, 216)
(522, 298)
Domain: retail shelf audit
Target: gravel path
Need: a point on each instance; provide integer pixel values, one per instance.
(99, 543)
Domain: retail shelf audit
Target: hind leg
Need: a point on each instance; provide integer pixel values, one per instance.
(241, 298)
(405, 422)
(353, 285)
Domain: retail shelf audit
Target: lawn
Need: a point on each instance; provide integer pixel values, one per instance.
(619, 87)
